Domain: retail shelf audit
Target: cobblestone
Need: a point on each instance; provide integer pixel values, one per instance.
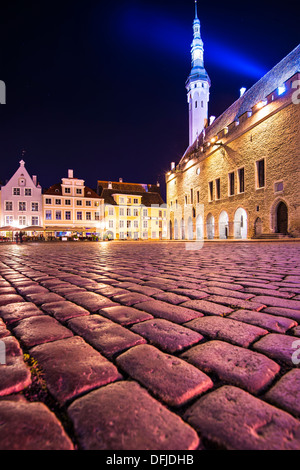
(133, 346)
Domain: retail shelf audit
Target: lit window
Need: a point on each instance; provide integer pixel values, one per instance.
(35, 206)
(68, 215)
(22, 206)
(79, 215)
(58, 215)
(48, 215)
(34, 220)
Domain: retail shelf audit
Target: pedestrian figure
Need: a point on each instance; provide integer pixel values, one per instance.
(17, 238)
(21, 237)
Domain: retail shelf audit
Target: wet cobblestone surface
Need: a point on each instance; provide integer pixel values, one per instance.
(150, 346)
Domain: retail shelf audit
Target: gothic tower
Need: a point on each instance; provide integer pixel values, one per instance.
(197, 85)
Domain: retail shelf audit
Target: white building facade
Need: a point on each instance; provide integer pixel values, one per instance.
(21, 201)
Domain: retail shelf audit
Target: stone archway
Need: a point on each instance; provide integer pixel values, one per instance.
(223, 225)
(210, 226)
(240, 223)
(199, 228)
(171, 230)
(176, 232)
(190, 230)
(281, 218)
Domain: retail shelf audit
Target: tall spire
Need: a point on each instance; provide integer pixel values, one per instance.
(197, 84)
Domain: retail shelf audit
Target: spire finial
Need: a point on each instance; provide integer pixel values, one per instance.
(196, 13)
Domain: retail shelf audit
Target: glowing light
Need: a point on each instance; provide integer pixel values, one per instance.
(261, 104)
(281, 89)
(242, 91)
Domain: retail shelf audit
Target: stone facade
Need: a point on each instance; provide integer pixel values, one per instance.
(240, 179)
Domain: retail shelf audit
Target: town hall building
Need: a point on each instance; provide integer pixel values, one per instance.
(239, 177)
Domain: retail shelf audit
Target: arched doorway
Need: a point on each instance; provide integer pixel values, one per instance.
(199, 228)
(176, 233)
(258, 227)
(171, 230)
(240, 223)
(223, 225)
(190, 229)
(282, 218)
(210, 226)
(182, 230)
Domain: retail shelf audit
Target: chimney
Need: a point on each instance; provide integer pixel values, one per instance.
(34, 179)
(173, 166)
(109, 185)
(120, 180)
(70, 174)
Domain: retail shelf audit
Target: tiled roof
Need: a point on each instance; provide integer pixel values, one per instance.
(56, 190)
(148, 198)
(284, 70)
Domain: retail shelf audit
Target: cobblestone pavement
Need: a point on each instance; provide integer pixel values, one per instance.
(136, 346)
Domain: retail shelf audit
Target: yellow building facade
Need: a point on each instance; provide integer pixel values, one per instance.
(133, 211)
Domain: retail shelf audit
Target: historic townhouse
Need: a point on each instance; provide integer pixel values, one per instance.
(133, 211)
(72, 210)
(239, 177)
(21, 203)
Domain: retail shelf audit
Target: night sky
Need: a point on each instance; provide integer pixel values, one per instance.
(99, 86)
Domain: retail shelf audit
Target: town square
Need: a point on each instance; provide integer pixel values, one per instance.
(108, 336)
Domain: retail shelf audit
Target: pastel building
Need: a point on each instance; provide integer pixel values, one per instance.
(21, 202)
(72, 210)
(133, 211)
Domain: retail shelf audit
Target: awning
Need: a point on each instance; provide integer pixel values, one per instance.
(33, 228)
(9, 228)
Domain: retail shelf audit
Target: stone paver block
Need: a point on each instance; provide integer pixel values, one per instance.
(126, 417)
(210, 308)
(173, 380)
(234, 302)
(226, 329)
(14, 374)
(90, 300)
(106, 336)
(284, 312)
(31, 426)
(40, 329)
(279, 347)
(40, 299)
(72, 367)
(277, 302)
(7, 290)
(33, 289)
(234, 419)
(286, 392)
(171, 297)
(264, 320)
(233, 364)
(12, 313)
(131, 298)
(191, 293)
(64, 310)
(167, 335)
(6, 299)
(125, 315)
(227, 292)
(174, 313)
(3, 330)
(144, 289)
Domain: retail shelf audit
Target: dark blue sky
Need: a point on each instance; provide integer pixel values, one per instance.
(100, 86)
